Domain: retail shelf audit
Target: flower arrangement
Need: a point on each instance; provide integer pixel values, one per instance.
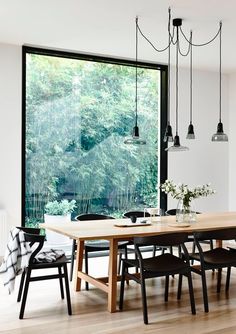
(184, 193)
(60, 208)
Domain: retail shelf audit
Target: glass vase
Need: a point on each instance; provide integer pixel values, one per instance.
(185, 213)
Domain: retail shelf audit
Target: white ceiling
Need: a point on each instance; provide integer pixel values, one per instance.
(107, 27)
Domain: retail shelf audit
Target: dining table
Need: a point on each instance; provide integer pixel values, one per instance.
(115, 230)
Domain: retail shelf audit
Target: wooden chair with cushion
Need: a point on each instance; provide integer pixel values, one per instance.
(32, 236)
(95, 246)
(216, 258)
(162, 265)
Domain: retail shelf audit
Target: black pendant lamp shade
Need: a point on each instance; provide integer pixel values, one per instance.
(220, 135)
(190, 134)
(135, 139)
(168, 133)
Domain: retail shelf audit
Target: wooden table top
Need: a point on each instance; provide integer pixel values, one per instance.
(105, 229)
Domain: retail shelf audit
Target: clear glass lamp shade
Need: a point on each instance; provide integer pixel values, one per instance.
(135, 139)
(190, 134)
(176, 147)
(219, 135)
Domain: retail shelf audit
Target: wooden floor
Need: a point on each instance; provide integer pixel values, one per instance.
(47, 313)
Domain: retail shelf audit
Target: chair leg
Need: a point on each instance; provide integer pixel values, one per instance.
(86, 267)
(166, 288)
(154, 251)
(72, 259)
(61, 282)
(122, 286)
(144, 301)
(211, 244)
(136, 268)
(179, 286)
(120, 260)
(22, 280)
(67, 290)
(193, 252)
(23, 302)
(191, 293)
(204, 291)
(228, 279)
(219, 279)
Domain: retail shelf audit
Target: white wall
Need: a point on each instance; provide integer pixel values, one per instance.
(206, 161)
(10, 132)
(232, 141)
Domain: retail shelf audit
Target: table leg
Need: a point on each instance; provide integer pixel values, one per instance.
(79, 264)
(112, 276)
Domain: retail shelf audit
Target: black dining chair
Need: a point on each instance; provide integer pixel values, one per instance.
(162, 265)
(172, 212)
(36, 241)
(97, 246)
(133, 215)
(216, 258)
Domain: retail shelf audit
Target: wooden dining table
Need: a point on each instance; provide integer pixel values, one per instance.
(114, 231)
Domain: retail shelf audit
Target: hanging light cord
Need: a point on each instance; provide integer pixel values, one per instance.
(220, 68)
(168, 106)
(191, 79)
(202, 44)
(171, 38)
(136, 74)
(177, 79)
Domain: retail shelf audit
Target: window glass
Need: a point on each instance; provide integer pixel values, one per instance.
(78, 114)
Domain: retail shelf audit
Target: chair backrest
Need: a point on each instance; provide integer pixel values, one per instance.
(92, 216)
(169, 239)
(172, 212)
(32, 236)
(220, 234)
(137, 214)
(162, 240)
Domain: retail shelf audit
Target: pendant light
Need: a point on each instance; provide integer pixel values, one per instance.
(190, 134)
(220, 135)
(135, 139)
(176, 147)
(168, 137)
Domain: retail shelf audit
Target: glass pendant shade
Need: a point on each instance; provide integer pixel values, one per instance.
(190, 134)
(219, 135)
(168, 134)
(176, 147)
(135, 139)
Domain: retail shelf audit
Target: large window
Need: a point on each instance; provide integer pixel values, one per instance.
(77, 112)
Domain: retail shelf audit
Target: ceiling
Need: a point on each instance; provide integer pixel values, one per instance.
(107, 27)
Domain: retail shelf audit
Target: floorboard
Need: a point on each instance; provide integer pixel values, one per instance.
(47, 313)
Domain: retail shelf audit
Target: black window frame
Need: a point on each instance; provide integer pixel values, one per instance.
(89, 57)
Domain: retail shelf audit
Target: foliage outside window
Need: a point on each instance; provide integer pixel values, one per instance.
(78, 113)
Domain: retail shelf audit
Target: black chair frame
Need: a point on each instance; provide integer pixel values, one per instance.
(142, 214)
(172, 212)
(162, 265)
(216, 258)
(32, 236)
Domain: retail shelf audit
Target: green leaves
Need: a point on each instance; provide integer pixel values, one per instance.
(60, 208)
